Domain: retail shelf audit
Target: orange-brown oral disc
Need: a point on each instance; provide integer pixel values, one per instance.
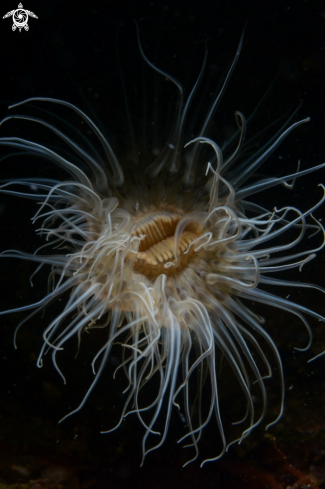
(157, 247)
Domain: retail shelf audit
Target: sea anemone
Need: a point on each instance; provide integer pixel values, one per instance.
(167, 253)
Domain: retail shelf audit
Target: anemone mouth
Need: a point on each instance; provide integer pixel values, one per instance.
(156, 229)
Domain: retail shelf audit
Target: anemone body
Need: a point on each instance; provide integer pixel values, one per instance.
(165, 254)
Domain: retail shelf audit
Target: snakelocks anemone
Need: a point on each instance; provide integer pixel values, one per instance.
(166, 253)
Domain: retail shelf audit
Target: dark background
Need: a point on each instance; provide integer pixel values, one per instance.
(71, 52)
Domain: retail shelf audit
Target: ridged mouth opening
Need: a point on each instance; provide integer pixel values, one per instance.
(157, 246)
